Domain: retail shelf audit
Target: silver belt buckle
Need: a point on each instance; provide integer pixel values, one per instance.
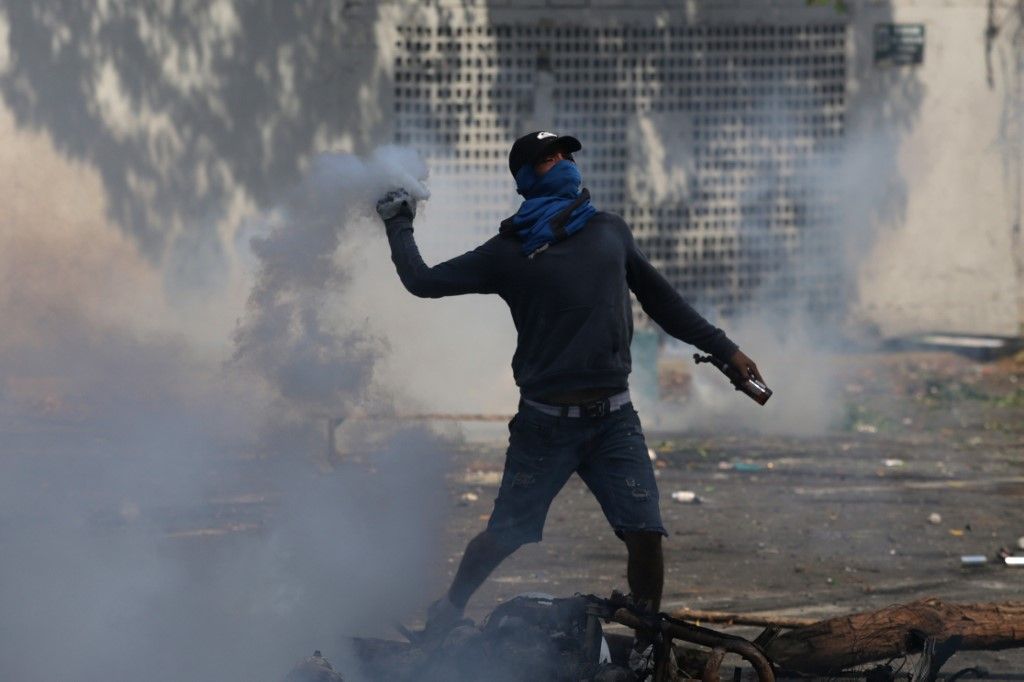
(598, 408)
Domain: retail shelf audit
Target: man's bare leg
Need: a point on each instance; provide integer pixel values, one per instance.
(645, 568)
(483, 554)
(645, 571)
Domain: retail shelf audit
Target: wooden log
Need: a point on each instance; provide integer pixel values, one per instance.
(727, 618)
(839, 643)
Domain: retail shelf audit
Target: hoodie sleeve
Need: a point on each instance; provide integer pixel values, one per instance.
(665, 306)
(471, 273)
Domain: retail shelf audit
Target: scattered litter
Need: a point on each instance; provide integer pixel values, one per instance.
(956, 532)
(1014, 560)
(973, 560)
(747, 467)
(1020, 542)
(935, 518)
(892, 463)
(486, 478)
(861, 427)
(686, 497)
(652, 454)
(468, 498)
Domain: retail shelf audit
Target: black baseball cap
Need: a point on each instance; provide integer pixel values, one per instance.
(529, 148)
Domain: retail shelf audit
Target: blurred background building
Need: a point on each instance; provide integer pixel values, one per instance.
(857, 158)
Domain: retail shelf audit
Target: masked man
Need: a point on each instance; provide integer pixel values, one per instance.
(565, 269)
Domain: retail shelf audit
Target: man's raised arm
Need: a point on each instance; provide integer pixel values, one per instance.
(470, 273)
(665, 306)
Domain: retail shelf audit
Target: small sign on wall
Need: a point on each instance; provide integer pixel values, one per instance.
(899, 44)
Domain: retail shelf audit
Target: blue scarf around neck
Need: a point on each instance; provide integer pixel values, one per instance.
(554, 208)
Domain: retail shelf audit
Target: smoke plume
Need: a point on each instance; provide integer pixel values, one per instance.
(161, 516)
(293, 336)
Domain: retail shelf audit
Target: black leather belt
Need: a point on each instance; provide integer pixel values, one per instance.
(592, 409)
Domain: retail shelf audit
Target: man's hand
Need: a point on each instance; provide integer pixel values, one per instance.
(745, 366)
(397, 202)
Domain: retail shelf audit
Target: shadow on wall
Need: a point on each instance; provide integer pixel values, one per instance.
(872, 190)
(186, 109)
(848, 186)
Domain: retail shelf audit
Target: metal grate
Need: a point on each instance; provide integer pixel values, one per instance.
(713, 142)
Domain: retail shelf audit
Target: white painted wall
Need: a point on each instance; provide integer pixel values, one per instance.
(933, 175)
(934, 183)
(945, 255)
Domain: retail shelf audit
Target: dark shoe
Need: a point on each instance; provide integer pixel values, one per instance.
(442, 618)
(642, 660)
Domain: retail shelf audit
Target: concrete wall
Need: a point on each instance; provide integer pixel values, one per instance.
(931, 182)
(185, 143)
(947, 246)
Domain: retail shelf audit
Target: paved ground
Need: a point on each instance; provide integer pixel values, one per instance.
(810, 526)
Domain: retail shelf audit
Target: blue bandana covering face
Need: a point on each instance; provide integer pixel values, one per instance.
(555, 207)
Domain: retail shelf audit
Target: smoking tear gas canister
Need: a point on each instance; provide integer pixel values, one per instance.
(757, 391)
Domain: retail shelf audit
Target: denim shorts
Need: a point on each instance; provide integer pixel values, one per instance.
(610, 455)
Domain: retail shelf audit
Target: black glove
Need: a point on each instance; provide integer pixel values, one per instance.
(396, 203)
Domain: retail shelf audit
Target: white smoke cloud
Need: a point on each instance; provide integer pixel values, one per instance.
(288, 335)
(158, 517)
(794, 329)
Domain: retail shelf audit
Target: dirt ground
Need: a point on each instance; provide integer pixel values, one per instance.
(927, 466)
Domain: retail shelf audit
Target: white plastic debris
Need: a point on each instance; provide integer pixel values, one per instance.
(686, 497)
(484, 478)
(973, 560)
(652, 454)
(892, 463)
(935, 518)
(1014, 560)
(1020, 542)
(468, 498)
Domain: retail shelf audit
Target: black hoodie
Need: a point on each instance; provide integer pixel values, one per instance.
(570, 303)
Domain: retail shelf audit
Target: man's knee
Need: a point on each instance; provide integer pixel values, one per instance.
(642, 541)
